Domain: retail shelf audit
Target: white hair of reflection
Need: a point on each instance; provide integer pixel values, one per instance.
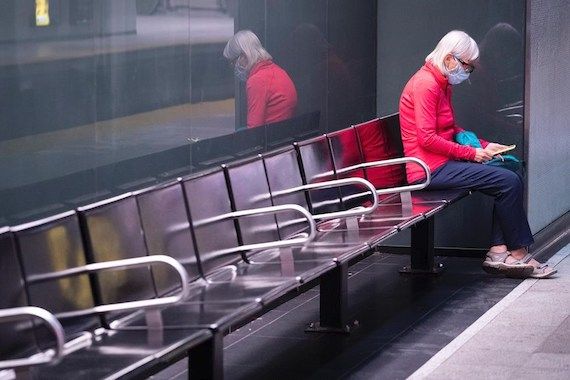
(246, 49)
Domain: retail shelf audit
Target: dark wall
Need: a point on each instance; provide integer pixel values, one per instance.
(491, 105)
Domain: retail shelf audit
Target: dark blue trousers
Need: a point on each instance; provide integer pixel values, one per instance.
(510, 224)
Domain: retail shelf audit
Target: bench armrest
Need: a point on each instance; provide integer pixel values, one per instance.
(122, 264)
(358, 211)
(394, 161)
(50, 356)
(261, 211)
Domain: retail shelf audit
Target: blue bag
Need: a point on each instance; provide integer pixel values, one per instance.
(506, 161)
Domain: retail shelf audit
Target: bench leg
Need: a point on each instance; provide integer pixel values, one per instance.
(422, 260)
(206, 360)
(22, 373)
(333, 302)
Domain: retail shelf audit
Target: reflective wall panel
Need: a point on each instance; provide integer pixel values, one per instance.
(327, 48)
(103, 97)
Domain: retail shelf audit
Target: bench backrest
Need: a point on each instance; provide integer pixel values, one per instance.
(380, 139)
(345, 149)
(249, 190)
(167, 231)
(283, 173)
(317, 166)
(47, 247)
(207, 196)
(16, 337)
(113, 231)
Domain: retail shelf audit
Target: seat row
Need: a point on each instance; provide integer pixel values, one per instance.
(125, 287)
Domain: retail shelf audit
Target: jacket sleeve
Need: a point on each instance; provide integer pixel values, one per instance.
(426, 101)
(256, 92)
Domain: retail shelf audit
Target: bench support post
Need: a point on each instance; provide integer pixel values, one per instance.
(22, 373)
(333, 302)
(206, 360)
(423, 250)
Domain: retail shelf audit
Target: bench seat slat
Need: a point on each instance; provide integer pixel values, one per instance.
(127, 354)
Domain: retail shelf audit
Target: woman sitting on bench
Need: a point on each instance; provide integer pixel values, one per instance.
(428, 129)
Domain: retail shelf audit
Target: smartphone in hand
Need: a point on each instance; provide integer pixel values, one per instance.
(506, 149)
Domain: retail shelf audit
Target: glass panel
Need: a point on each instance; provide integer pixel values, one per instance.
(47, 97)
(103, 97)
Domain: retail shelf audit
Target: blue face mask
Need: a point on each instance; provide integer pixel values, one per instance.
(458, 74)
(240, 72)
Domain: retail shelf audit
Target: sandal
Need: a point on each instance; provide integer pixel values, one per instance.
(543, 271)
(540, 271)
(495, 263)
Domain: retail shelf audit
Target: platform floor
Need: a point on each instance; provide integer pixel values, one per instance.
(525, 336)
(456, 326)
(403, 322)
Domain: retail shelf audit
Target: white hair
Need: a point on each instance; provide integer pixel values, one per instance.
(246, 44)
(456, 43)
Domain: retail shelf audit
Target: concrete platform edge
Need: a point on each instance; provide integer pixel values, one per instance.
(446, 352)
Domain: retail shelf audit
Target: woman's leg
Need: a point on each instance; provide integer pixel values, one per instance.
(507, 189)
(511, 229)
(497, 238)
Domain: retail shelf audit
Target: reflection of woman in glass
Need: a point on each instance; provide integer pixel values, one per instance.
(428, 129)
(494, 103)
(271, 94)
(503, 69)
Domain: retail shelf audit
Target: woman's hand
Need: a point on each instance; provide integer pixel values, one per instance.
(493, 147)
(482, 155)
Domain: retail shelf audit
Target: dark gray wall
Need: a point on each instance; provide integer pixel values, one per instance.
(490, 105)
(548, 111)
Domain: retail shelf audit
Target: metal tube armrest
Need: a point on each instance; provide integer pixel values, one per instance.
(122, 264)
(358, 211)
(262, 211)
(394, 161)
(50, 356)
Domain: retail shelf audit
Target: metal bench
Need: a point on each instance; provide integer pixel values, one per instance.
(50, 272)
(242, 237)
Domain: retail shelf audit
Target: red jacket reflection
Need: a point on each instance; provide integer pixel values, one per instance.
(271, 95)
(376, 146)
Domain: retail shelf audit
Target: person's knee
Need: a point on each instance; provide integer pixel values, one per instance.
(511, 181)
